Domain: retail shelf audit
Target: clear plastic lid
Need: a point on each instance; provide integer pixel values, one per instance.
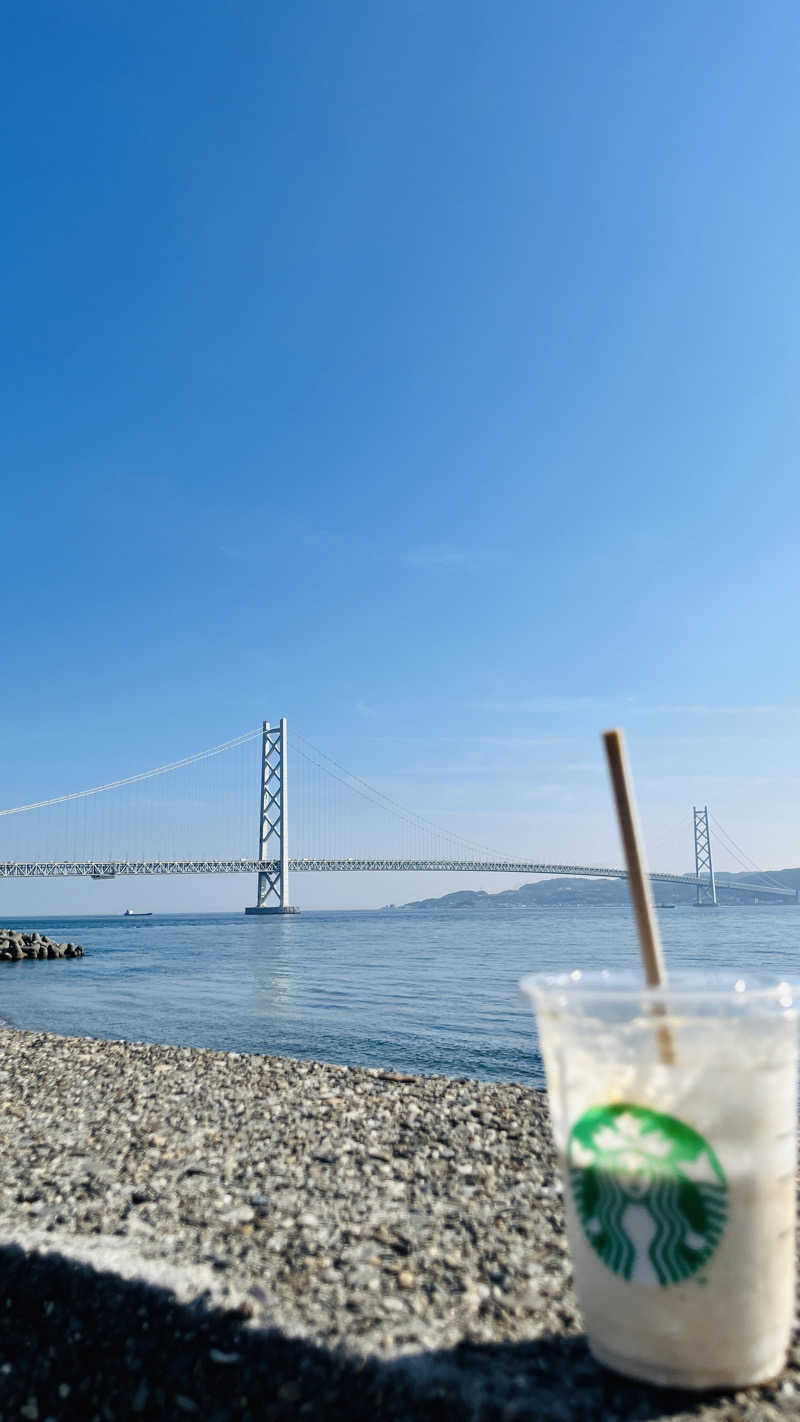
(709, 993)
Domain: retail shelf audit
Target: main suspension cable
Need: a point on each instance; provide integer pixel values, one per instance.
(131, 779)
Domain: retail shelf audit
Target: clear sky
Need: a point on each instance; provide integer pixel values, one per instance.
(423, 372)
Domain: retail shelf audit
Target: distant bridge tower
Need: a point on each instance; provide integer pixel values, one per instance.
(273, 884)
(706, 887)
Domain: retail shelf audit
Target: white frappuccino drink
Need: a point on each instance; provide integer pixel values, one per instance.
(679, 1176)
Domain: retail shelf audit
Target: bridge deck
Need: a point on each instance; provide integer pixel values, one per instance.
(111, 869)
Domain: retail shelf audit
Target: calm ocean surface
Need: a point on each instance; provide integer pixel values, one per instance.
(418, 992)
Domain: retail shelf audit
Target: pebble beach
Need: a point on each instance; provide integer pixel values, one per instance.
(194, 1233)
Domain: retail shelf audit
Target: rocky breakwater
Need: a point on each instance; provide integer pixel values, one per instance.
(15, 945)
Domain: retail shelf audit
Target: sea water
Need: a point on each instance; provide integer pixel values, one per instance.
(409, 990)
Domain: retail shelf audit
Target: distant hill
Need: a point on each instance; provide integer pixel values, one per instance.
(567, 890)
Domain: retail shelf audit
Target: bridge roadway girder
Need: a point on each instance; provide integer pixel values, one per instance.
(111, 869)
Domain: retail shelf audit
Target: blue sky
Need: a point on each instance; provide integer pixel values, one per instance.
(424, 373)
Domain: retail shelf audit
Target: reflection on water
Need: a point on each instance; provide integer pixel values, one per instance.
(271, 966)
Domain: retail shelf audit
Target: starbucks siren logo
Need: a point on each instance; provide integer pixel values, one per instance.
(650, 1192)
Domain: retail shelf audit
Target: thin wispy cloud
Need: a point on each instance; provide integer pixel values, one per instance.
(438, 772)
(626, 706)
(533, 793)
(499, 773)
(319, 537)
(517, 742)
(532, 704)
(712, 778)
(453, 558)
(507, 742)
(244, 544)
(701, 709)
(368, 712)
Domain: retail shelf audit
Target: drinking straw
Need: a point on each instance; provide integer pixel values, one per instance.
(638, 878)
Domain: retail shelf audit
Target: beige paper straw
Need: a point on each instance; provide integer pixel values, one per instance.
(638, 877)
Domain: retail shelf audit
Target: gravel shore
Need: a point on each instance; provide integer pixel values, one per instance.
(193, 1233)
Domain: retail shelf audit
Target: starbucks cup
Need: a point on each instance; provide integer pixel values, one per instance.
(679, 1169)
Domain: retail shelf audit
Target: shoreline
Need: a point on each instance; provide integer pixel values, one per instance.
(389, 1243)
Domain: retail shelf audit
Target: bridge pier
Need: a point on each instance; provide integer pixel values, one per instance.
(273, 884)
(266, 909)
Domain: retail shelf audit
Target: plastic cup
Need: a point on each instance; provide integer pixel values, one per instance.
(679, 1177)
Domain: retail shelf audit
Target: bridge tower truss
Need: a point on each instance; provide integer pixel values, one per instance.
(704, 869)
(273, 844)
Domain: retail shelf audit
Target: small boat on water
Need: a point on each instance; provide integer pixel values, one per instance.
(133, 913)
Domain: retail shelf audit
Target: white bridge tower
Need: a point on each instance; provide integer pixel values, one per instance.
(706, 886)
(273, 845)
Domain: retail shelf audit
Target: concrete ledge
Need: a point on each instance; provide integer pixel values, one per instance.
(189, 1233)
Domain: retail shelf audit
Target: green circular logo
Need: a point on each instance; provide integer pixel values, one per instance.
(651, 1194)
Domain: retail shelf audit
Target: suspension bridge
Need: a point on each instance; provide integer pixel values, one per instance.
(211, 817)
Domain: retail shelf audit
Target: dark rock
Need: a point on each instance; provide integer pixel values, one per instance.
(16, 945)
